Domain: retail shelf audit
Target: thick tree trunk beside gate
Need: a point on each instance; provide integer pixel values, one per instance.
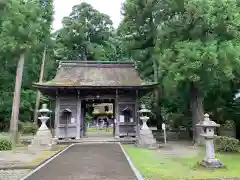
(156, 95)
(196, 104)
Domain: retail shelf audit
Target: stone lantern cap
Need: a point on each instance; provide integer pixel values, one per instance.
(44, 109)
(143, 109)
(207, 122)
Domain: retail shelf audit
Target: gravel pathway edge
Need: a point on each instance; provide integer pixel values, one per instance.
(46, 162)
(134, 169)
(23, 167)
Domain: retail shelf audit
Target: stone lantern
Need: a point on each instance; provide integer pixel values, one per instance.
(143, 113)
(208, 134)
(146, 138)
(44, 113)
(43, 137)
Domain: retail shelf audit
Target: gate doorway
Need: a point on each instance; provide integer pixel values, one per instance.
(98, 118)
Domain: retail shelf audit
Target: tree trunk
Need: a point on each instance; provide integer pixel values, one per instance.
(156, 95)
(16, 100)
(38, 92)
(196, 104)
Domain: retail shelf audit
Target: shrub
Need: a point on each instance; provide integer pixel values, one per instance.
(229, 124)
(28, 128)
(226, 144)
(5, 144)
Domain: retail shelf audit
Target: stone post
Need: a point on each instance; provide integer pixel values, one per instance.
(208, 128)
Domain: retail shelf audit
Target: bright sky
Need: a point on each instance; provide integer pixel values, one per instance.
(63, 8)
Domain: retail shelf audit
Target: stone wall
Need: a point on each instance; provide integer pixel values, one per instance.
(229, 132)
(171, 135)
(228, 129)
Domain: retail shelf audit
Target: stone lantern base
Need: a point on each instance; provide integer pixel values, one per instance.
(43, 140)
(146, 139)
(211, 163)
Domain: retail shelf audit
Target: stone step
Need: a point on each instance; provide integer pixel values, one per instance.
(93, 140)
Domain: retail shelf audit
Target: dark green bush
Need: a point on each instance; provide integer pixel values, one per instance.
(5, 144)
(28, 128)
(226, 144)
(229, 124)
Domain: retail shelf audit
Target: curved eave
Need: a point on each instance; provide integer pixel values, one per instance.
(52, 87)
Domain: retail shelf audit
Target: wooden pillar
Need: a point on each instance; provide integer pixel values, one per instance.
(137, 114)
(82, 119)
(116, 116)
(57, 115)
(79, 111)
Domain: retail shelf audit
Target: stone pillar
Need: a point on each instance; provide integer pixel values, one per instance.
(209, 150)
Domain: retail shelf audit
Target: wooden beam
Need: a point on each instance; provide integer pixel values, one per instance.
(127, 102)
(100, 97)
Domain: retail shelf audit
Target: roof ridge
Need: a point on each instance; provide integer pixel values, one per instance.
(95, 62)
(112, 64)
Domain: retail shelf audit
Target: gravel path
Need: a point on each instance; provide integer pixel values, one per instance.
(12, 174)
(87, 162)
(176, 149)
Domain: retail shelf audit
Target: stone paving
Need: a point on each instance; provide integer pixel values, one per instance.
(10, 162)
(21, 156)
(9, 159)
(12, 174)
(87, 162)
